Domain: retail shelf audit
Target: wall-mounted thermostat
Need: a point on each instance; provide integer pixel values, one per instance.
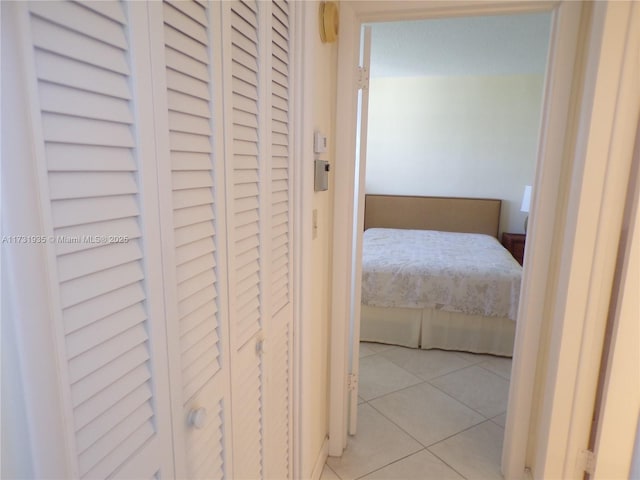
(321, 175)
(319, 142)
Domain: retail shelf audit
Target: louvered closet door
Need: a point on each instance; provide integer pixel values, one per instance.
(244, 184)
(258, 167)
(279, 385)
(87, 143)
(184, 91)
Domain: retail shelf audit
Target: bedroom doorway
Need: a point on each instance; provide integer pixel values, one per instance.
(345, 338)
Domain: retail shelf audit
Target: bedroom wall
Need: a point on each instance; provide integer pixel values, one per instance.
(469, 136)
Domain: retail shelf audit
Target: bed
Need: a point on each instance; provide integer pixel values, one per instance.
(435, 276)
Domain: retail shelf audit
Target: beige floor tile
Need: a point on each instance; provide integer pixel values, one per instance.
(419, 466)
(478, 388)
(378, 347)
(379, 376)
(426, 413)
(498, 365)
(426, 364)
(475, 453)
(365, 350)
(500, 419)
(328, 474)
(377, 443)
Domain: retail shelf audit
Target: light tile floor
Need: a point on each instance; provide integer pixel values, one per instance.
(426, 414)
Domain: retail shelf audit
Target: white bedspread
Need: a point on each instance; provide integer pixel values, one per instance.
(457, 272)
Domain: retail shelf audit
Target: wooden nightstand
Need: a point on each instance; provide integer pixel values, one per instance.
(514, 242)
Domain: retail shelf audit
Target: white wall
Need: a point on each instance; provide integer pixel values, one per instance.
(464, 136)
(324, 57)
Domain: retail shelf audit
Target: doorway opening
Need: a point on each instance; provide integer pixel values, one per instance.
(353, 220)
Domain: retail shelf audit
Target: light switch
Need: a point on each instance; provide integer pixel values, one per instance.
(315, 224)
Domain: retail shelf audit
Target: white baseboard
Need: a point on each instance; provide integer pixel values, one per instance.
(321, 460)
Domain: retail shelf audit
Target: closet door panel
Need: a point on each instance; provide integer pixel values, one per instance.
(86, 135)
(189, 170)
(279, 398)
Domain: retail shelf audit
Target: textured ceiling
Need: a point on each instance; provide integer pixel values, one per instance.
(496, 45)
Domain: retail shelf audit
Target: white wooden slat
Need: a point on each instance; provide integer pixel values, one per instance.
(241, 28)
(63, 157)
(73, 238)
(245, 162)
(109, 9)
(194, 267)
(243, 73)
(194, 250)
(279, 40)
(205, 373)
(245, 190)
(248, 93)
(280, 127)
(280, 10)
(251, 243)
(65, 71)
(116, 391)
(280, 53)
(192, 233)
(180, 102)
(196, 317)
(112, 371)
(248, 282)
(189, 66)
(246, 134)
(280, 28)
(108, 327)
(243, 57)
(246, 13)
(89, 287)
(204, 342)
(111, 415)
(52, 38)
(246, 204)
(114, 345)
(82, 131)
(85, 262)
(60, 99)
(74, 16)
(91, 310)
(191, 180)
(92, 456)
(246, 40)
(122, 452)
(190, 161)
(249, 217)
(104, 424)
(195, 301)
(180, 82)
(247, 428)
(191, 215)
(182, 122)
(180, 42)
(281, 79)
(66, 185)
(181, 22)
(190, 198)
(245, 119)
(240, 102)
(281, 71)
(193, 10)
(196, 284)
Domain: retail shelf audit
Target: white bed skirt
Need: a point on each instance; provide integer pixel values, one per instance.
(430, 328)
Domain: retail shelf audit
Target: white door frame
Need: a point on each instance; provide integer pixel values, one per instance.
(552, 161)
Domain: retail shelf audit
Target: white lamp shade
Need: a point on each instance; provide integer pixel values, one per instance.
(526, 199)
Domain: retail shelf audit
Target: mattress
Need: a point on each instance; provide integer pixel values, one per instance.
(453, 272)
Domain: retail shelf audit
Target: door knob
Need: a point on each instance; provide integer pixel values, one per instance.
(197, 417)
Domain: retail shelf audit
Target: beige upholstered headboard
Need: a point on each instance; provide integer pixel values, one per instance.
(448, 214)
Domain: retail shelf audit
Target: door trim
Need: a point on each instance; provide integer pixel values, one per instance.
(557, 96)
